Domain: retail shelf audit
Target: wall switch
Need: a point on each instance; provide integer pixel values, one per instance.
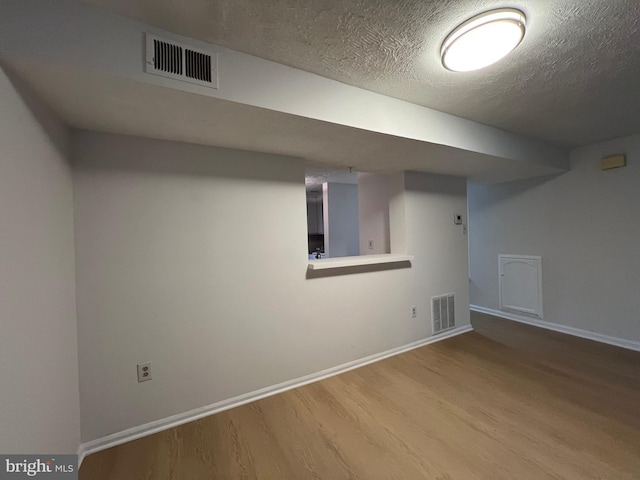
(464, 229)
(370, 244)
(144, 371)
(414, 312)
(457, 219)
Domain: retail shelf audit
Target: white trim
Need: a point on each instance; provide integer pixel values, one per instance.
(527, 257)
(556, 327)
(81, 454)
(358, 260)
(173, 421)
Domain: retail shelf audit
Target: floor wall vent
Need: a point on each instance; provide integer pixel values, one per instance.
(178, 61)
(443, 312)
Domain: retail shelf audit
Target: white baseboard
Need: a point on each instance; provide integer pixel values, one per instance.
(81, 454)
(186, 417)
(556, 327)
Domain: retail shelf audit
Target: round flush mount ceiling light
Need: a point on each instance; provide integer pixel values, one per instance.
(483, 40)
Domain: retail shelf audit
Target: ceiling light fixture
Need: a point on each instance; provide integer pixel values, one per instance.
(483, 40)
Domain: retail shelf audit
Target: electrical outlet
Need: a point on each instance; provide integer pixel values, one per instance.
(370, 244)
(144, 371)
(414, 312)
(464, 228)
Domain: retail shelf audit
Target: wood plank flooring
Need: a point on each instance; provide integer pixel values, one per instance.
(507, 401)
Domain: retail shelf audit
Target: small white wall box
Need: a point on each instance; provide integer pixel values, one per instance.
(613, 161)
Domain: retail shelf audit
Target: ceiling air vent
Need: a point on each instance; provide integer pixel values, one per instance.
(443, 312)
(197, 65)
(180, 62)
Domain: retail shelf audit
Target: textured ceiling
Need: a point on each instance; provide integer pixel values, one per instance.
(572, 81)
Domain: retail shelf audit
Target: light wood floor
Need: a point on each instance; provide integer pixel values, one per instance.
(507, 401)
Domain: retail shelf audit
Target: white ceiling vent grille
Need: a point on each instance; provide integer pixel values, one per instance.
(443, 312)
(181, 62)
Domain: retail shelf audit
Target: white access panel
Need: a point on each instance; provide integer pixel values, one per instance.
(521, 283)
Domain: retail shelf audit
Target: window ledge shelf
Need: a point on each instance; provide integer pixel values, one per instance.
(341, 262)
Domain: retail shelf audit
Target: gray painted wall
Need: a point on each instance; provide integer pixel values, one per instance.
(440, 247)
(38, 344)
(374, 197)
(167, 271)
(586, 226)
(341, 235)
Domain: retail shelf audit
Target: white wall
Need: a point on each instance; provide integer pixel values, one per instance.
(340, 212)
(586, 226)
(168, 271)
(373, 213)
(440, 246)
(39, 410)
